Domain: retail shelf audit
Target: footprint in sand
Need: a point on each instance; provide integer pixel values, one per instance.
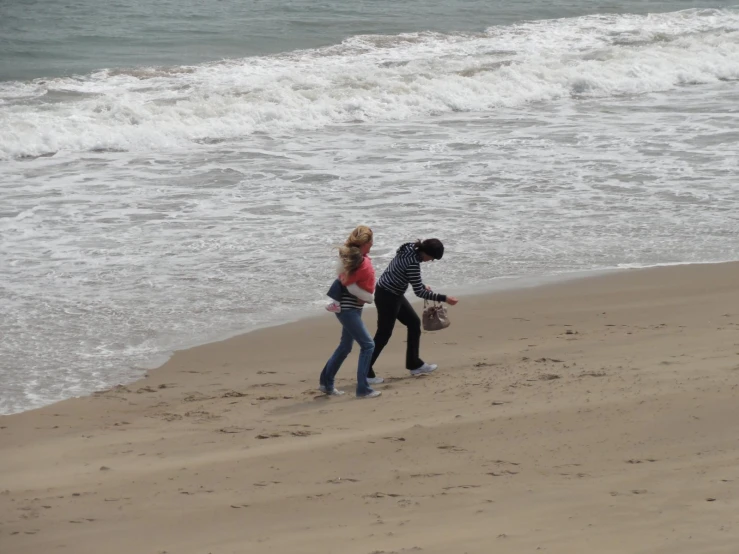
(634, 491)
(451, 448)
(169, 417)
(233, 430)
(593, 374)
(303, 433)
(201, 415)
(381, 495)
(232, 394)
(196, 397)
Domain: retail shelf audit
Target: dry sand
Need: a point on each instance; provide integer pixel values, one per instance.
(594, 416)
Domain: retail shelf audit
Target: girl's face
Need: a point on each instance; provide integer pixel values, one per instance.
(365, 248)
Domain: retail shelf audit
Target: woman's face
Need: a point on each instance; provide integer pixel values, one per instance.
(426, 258)
(366, 247)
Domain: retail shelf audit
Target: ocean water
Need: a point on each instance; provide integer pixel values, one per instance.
(177, 172)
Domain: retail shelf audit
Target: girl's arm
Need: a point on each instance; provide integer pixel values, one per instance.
(364, 276)
(414, 278)
(360, 293)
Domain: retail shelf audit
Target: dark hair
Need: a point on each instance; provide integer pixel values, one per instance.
(431, 247)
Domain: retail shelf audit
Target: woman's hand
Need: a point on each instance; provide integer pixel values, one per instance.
(451, 300)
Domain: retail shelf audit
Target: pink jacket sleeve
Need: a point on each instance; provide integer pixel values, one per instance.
(366, 275)
(363, 276)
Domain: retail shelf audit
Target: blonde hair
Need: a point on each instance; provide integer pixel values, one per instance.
(350, 255)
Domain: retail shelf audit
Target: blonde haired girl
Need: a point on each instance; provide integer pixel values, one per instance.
(356, 275)
(354, 270)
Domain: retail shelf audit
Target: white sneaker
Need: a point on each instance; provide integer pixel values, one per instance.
(424, 369)
(375, 380)
(373, 394)
(335, 392)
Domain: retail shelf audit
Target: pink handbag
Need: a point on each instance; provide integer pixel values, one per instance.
(435, 317)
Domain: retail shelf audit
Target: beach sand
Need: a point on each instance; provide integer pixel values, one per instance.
(592, 416)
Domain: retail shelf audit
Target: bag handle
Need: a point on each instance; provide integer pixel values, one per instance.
(433, 303)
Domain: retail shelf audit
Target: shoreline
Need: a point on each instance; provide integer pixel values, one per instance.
(497, 285)
(596, 411)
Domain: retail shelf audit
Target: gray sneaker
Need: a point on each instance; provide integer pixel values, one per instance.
(375, 380)
(373, 394)
(424, 369)
(335, 392)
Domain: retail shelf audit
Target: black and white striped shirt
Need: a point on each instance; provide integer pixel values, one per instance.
(349, 301)
(404, 270)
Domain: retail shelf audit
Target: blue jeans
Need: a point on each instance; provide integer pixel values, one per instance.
(353, 329)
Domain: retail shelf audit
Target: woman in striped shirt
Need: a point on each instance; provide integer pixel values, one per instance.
(392, 305)
(355, 261)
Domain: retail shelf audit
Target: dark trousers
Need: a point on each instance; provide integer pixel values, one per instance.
(391, 307)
